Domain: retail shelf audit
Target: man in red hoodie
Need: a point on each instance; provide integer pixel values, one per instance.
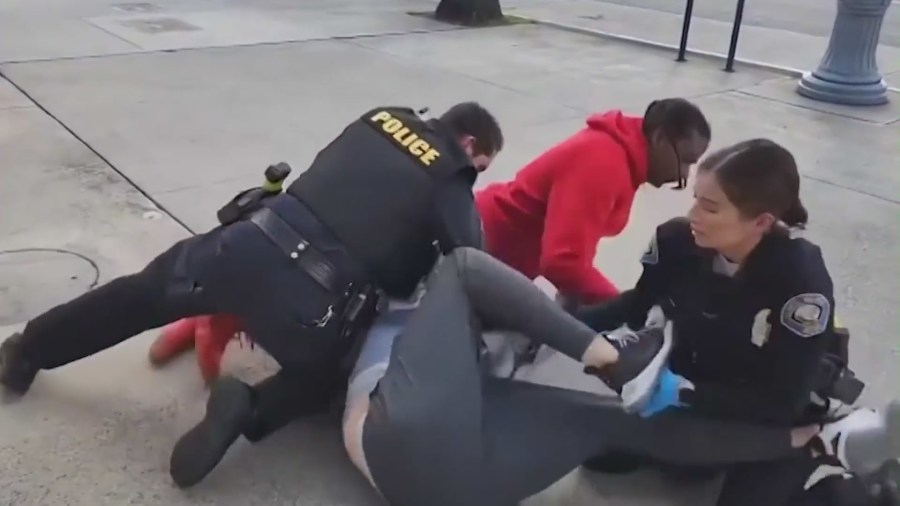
(548, 220)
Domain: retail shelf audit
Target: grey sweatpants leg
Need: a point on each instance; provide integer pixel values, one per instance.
(536, 434)
(423, 434)
(441, 434)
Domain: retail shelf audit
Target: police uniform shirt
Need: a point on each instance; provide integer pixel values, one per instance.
(749, 339)
(394, 189)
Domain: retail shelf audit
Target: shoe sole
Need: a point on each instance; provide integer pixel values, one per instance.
(201, 449)
(637, 392)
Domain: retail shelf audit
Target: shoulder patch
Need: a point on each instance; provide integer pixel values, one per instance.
(806, 314)
(651, 254)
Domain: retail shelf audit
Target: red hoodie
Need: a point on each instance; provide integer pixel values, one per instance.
(549, 219)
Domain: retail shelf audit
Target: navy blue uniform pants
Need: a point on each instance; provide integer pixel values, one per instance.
(233, 269)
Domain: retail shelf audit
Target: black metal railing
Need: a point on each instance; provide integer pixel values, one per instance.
(685, 29)
(735, 33)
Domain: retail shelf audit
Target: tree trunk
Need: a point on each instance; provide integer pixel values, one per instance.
(469, 12)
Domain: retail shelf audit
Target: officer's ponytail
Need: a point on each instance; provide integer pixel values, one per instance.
(796, 216)
(760, 176)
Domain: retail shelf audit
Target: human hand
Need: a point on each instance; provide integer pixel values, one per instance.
(666, 394)
(656, 317)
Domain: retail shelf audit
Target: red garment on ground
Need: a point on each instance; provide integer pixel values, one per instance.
(549, 219)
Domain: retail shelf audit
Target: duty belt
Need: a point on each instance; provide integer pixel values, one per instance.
(317, 265)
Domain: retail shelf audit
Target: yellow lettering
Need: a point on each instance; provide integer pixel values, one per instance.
(419, 147)
(405, 137)
(430, 156)
(392, 125)
(381, 116)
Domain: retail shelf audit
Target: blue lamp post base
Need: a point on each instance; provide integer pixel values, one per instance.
(837, 92)
(848, 73)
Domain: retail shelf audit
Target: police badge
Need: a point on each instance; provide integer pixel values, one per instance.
(806, 314)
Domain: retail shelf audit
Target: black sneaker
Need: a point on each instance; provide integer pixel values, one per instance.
(229, 411)
(883, 485)
(16, 373)
(642, 357)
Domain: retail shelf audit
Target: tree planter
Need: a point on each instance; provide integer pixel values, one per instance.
(848, 73)
(469, 12)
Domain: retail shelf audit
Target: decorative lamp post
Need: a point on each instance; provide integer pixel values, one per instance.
(848, 73)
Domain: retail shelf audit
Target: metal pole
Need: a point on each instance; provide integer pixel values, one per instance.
(735, 31)
(685, 28)
(848, 73)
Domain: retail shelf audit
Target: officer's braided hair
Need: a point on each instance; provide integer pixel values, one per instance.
(676, 118)
(759, 176)
(470, 118)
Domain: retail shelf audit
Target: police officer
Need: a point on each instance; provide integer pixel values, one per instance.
(751, 308)
(301, 269)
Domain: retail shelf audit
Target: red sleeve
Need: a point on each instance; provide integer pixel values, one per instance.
(580, 203)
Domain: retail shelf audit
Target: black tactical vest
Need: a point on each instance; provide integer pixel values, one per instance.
(373, 187)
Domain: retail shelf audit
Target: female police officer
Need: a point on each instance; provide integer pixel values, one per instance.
(752, 313)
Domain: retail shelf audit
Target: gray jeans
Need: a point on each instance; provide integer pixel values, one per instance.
(441, 433)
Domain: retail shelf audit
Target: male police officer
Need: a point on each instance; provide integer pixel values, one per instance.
(300, 270)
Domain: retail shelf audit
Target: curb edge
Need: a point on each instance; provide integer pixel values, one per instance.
(709, 55)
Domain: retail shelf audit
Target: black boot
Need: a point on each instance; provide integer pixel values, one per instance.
(289, 395)
(229, 411)
(16, 373)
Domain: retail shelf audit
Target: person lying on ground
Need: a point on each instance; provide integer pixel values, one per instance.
(426, 425)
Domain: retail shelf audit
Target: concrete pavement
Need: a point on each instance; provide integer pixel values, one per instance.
(794, 16)
(179, 118)
(779, 44)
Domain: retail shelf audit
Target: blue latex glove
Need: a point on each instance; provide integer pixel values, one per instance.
(666, 394)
